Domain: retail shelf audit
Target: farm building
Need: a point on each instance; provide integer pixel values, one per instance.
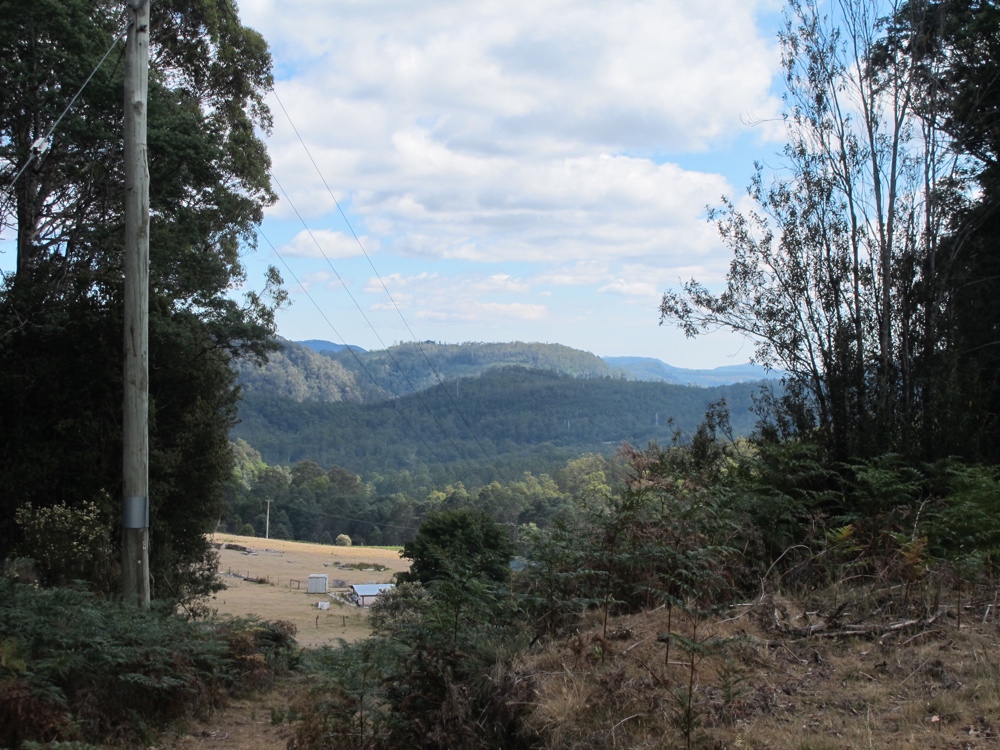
(365, 593)
(317, 584)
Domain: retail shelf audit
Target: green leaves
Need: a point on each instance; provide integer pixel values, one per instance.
(60, 312)
(112, 671)
(459, 545)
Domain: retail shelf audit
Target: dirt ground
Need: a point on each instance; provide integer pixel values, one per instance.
(932, 682)
(243, 725)
(286, 567)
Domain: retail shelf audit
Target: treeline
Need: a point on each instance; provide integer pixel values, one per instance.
(308, 503)
(475, 427)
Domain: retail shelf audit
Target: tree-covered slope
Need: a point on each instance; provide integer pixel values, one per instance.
(510, 410)
(320, 345)
(405, 368)
(298, 373)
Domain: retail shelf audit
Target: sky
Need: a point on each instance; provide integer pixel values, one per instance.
(531, 171)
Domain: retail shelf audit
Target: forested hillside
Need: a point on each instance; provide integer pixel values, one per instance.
(472, 358)
(509, 411)
(405, 368)
(298, 373)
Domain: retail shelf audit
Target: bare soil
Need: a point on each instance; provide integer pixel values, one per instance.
(246, 724)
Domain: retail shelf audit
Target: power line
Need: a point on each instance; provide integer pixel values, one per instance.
(42, 144)
(388, 294)
(346, 518)
(361, 364)
(392, 357)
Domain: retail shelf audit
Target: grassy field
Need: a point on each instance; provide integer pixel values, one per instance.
(280, 564)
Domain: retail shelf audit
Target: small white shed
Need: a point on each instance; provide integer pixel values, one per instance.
(368, 592)
(317, 584)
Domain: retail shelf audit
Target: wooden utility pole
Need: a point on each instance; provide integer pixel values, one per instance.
(135, 422)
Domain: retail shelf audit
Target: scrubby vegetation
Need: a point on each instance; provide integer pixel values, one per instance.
(645, 615)
(76, 668)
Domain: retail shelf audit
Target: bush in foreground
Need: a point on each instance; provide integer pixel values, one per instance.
(77, 668)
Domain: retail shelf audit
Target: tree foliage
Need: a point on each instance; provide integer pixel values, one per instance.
(842, 272)
(956, 45)
(311, 505)
(61, 309)
(458, 545)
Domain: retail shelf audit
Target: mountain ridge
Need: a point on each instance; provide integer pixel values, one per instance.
(651, 369)
(457, 360)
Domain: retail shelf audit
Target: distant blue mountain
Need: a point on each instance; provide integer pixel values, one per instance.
(648, 368)
(318, 345)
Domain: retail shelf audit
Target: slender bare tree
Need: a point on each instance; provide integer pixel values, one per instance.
(835, 274)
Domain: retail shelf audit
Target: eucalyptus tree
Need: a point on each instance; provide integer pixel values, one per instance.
(839, 273)
(61, 306)
(956, 44)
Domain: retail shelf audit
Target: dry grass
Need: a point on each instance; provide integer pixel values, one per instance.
(755, 688)
(279, 562)
(262, 722)
(934, 687)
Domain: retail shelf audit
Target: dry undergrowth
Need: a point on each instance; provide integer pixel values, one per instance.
(759, 681)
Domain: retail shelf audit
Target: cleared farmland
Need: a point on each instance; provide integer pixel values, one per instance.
(285, 567)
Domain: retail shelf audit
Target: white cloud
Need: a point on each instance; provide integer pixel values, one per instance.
(486, 75)
(467, 131)
(580, 273)
(464, 297)
(521, 155)
(487, 312)
(323, 243)
(631, 288)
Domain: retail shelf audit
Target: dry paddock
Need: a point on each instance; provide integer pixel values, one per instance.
(279, 563)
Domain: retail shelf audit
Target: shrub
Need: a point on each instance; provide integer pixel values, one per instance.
(67, 542)
(75, 667)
